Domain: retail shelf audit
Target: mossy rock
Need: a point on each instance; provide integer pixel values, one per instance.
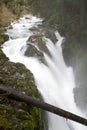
(36, 38)
(16, 118)
(36, 41)
(3, 38)
(2, 30)
(50, 33)
(32, 51)
(18, 77)
(34, 29)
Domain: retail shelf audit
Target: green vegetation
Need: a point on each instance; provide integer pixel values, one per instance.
(3, 38)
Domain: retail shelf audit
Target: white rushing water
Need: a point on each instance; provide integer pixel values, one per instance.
(55, 81)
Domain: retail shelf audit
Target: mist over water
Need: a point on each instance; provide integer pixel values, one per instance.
(54, 80)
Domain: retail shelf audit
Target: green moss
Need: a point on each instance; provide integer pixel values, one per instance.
(30, 119)
(4, 123)
(3, 38)
(33, 29)
(19, 119)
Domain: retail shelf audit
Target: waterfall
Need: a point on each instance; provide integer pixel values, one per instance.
(54, 80)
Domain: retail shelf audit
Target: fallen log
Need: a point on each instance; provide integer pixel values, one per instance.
(14, 95)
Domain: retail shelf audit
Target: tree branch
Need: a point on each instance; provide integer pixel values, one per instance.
(14, 95)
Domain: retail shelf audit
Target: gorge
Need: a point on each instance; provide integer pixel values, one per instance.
(54, 80)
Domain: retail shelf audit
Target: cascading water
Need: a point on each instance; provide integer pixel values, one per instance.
(54, 79)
